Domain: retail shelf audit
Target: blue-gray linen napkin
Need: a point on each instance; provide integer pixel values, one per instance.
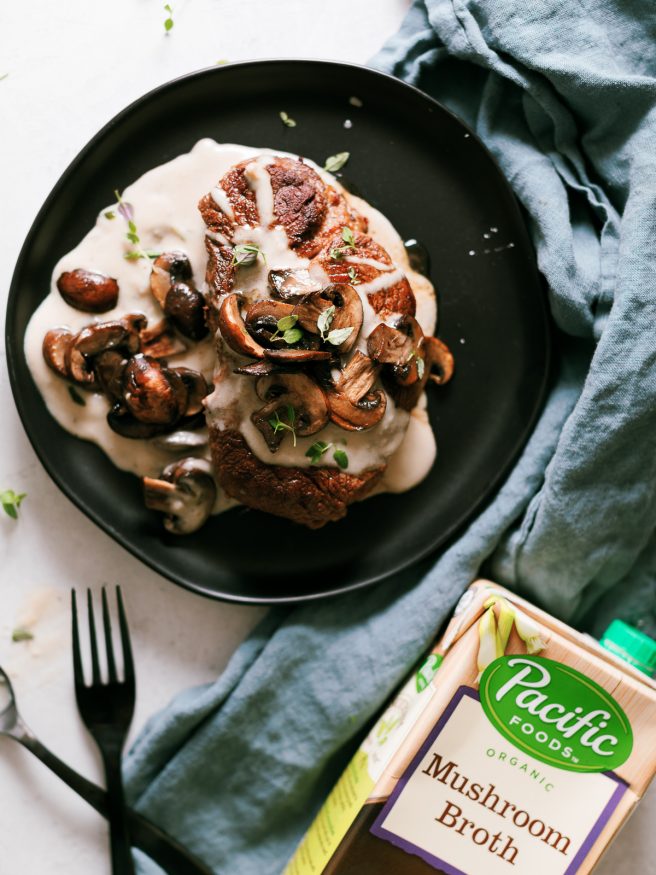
(563, 94)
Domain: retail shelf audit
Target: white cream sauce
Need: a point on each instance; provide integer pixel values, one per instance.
(165, 211)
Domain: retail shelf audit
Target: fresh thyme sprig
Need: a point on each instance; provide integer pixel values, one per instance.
(277, 424)
(20, 634)
(336, 162)
(287, 121)
(338, 252)
(316, 451)
(353, 277)
(286, 327)
(320, 448)
(168, 22)
(250, 252)
(126, 210)
(338, 335)
(11, 501)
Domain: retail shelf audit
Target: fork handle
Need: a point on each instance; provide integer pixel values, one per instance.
(119, 837)
(162, 848)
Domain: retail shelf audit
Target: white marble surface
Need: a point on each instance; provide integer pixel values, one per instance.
(71, 67)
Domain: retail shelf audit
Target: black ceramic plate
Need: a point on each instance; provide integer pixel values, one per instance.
(435, 181)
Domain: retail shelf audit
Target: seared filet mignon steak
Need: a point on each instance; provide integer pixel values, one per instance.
(319, 357)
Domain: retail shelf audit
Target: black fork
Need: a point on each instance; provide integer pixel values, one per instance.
(107, 709)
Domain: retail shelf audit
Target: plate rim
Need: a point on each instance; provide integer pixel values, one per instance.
(13, 345)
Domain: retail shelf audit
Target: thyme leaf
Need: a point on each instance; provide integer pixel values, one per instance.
(336, 162)
(11, 501)
(286, 120)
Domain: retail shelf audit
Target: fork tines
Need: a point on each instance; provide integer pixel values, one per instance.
(112, 675)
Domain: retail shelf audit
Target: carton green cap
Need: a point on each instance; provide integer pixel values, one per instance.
(631, 645)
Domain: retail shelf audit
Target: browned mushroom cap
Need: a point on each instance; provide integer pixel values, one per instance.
(154, 394)
(185, 307)
(185, 492)
(439, 361)
(88, 291)
(233, 330)
(168, 268)
(97, 338)
(55, 348)
(347, 313)
(400, 348)
(262, 319)
(297, 400)
(197, 389)
(171, 282)
(293, 284)
(437, 366)
(353, 405)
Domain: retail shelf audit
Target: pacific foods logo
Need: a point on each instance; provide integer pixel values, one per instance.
(555, 713)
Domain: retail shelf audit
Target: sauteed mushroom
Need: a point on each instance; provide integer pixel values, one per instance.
(438, 367)
(284, 393)
(55, 348)
(168, 268)
(401, 348)
(439, 358)
(347, 313)
(171, 282)
(154, 394)
(233, 328)
(88, 291)
(185, 492)
(91, 341)
(293, 284)
(353, 405)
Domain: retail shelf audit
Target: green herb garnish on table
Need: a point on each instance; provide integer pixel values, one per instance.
(11, 501)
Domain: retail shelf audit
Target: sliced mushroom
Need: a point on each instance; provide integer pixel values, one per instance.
(168, 268)
(285, 392)
(262, 319)
(437, 366)
(99, 337)
(400, 350)
(297, 356)
(197, 389)
(388, 346)
(233, 329)
(55, 348)
(259, 369)
(185, 492)
(353, 405)
(439, 358)
(293, 284)
(88, 291)
(348, 313)
(154, 394)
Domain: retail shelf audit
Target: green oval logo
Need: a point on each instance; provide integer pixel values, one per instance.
(555, 714)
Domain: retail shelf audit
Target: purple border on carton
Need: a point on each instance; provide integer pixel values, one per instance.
(378, 830)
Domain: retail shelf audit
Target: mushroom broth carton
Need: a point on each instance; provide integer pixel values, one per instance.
(519, 745)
